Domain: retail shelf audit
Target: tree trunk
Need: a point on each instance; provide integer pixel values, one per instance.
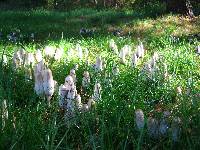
(180, 6)
(189, 10)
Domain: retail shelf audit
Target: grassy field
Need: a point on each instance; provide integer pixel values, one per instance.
(31, 124)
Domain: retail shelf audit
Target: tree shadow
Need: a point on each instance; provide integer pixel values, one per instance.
(52, 25)
(55, 26)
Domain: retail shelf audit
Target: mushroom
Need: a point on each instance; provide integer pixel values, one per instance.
(90, 103)
(29, 59)
(165, 71)
(48, 84)
(88, 106)
(179, 90)
(39, 78)
(58, 54)
(99, 64)
(18, 58)
(49, 51)
(176, 130)
(153, 127)
(62, 95)
(79, 51)
(126, 50)
(97, 92)
(75, 67)
(69, 82)
(86, 79)
(73, 75)
(113, 46)
(115, 70)
(5, 60)
(140, 50)
(78, 103)
(134, 60)
(38, 55)
(164, 125)
(4, 113)
(139, 118)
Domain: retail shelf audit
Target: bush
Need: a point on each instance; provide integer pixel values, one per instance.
(23, 4)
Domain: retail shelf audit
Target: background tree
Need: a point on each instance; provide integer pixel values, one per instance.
(181, 6)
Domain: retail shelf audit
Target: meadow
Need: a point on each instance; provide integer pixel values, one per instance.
(111, 123)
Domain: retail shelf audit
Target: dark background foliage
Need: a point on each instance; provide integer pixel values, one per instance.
(179, 6)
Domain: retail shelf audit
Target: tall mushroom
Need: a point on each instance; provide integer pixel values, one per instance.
(86, 79)
(176, 129)
(97, 92)
(113, 46)
(48, 84)
(139, 118)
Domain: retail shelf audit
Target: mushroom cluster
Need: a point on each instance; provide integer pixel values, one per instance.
(139, 53)
(44, 83)
(158, 128)
(25, 60)
(127, 51)
(51, 52)
(43, 77)
(151, 66)
(70, 100)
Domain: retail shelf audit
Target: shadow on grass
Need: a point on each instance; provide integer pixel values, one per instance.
(51, 25)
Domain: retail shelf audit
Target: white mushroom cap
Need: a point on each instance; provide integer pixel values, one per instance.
(47, 75)
(78, 99)
(18, 58)
(5, 60)
(99, 64)
(86, 79)
(76, 67)
(49, 51)
(69, 79)
(4, 109)
(155, 58)
(97, 86)
(48, 84)
(58, 54)
(97, 91)
(113, 46)
(179, 90)
(86, 74)
(29, 59)
(134, 60)
(38, 55)
(72, 72)
(90, 103)
(79, 50)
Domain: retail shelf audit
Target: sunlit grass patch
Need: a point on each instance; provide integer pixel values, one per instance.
(165, 25)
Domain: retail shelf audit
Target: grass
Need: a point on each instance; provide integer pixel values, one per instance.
(110, 125)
